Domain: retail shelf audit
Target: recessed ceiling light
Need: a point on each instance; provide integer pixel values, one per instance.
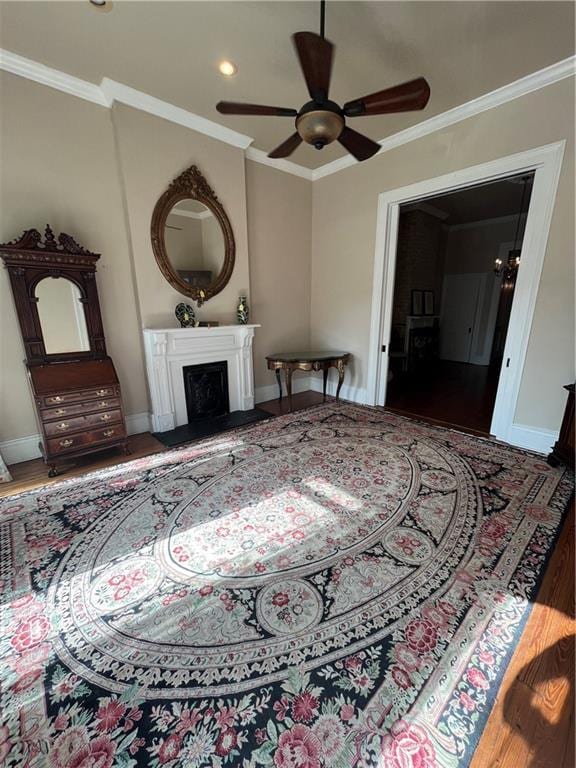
(99, 3)
(227, 68)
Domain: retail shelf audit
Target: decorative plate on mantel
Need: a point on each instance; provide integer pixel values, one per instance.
(185, 315)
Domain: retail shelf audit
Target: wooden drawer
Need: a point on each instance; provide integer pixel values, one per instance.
(76, 397)
(83, 440)
(67, 411)
(79, 423)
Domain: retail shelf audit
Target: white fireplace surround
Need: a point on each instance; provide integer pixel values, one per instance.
(169, 350)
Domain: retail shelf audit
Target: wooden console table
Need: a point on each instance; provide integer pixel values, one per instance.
(307, 361)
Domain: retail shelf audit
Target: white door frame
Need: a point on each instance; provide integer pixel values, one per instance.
(546, 162)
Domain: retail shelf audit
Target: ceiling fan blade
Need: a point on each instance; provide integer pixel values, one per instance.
(234, 108)
(315, 55)
(401, 98)
(287, 147)
(357, 144)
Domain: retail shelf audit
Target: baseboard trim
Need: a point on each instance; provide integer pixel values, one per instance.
(136, 423)
(20, 449)
(532, 438)
(270, 391)
(353, 394)
(27, 448)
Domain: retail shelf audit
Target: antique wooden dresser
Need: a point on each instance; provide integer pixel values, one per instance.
(74, 385)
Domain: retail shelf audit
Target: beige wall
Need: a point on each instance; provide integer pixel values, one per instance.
(279, 234)
(152, 152)
(96, 174)
(344, 227)
(59, 166)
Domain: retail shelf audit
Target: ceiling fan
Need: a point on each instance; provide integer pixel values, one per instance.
(321, 121)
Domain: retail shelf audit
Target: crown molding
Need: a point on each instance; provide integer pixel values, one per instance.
(535, 81)
(53, 78)
(258, 156)
(110, 91)
(114, 91)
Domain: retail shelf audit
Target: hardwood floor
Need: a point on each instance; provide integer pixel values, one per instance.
(299, 401)
(33, 474)
(449, 393)
(532, 722)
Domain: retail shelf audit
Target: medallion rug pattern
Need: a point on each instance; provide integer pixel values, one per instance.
(339, 587)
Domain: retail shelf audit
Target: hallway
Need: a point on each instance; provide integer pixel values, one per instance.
(458, 394)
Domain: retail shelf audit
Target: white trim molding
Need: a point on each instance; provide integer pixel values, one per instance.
(27, 448)
(270, 391)
(113, 91)
(532, 438)
(110, 91)
(347, 392)
(546, 163)
(53, 78)
(533, 82)
(288, 166)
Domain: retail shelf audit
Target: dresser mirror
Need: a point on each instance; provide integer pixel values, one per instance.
(192, 237)
(62, 317)
(74, 385)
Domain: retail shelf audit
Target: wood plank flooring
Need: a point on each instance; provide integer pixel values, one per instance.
(532, 722)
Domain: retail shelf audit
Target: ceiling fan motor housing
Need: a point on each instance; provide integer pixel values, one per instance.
(320, 123)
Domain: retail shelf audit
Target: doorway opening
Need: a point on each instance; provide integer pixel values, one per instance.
(457, 261)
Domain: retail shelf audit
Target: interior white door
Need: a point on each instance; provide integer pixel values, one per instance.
(457, 316)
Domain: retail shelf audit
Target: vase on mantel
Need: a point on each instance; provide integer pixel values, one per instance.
(242, 311)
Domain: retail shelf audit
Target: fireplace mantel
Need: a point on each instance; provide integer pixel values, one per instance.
(168, 350)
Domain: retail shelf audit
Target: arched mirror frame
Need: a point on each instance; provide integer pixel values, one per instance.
(191, 184)
(29, 260)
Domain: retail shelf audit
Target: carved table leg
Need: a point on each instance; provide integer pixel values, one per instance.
(324, 387)
(341, 371)
(288, 373)
(279, 380)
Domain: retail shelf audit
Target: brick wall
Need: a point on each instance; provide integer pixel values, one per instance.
(419, 264)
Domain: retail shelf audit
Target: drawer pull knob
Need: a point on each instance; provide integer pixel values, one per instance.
(103, 404)
(105, 417)
(56, 399)
(66, 443)
(108, 432)
(60, 412)
(63, 426)
(102, 392)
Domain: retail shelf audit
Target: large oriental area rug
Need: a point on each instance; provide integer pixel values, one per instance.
(336, 588)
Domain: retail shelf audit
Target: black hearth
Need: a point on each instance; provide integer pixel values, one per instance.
(208, 406)
(206, 391)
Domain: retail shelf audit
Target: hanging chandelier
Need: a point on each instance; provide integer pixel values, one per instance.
(513, 261)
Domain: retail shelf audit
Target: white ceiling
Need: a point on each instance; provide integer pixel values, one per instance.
(171, 50)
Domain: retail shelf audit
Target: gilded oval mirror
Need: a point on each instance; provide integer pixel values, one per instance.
(192, 238)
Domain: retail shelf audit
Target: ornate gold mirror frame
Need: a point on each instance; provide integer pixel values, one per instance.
(191, 184)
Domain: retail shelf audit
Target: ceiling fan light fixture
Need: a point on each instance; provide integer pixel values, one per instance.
(319, 127)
